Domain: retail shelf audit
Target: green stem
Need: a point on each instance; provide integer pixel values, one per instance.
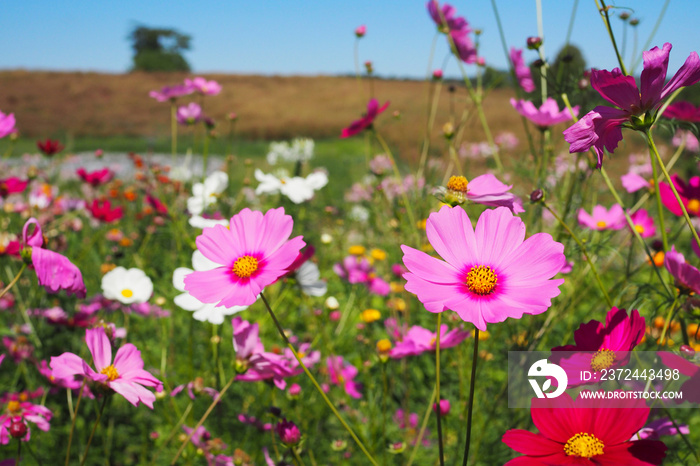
(606, 20)
(315, 384)
(74, 415)
(428, 129)
(540, 33)
(204, 418)
(652, 148)
(173, 131)
(173, 431)
(13, 282)
(297, 457)
(423, 426)
(437, 389)
(584, 251)
(94, 428)
(651, 35)
(472, 385)
(657, 192)
(667, 323)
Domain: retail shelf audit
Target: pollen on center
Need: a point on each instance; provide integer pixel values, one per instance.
(127, 293)
(111, 373)
(481, 280)
(602, 359)
(458, 183)
(245, 266)
(601, 224)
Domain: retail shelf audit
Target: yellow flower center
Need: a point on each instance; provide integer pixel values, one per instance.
(370, 315)
(245, 266)
(383, 345)
(457, 183)
(694, 206)
(602, 359)
(601, 224)
(481, 280)
(111, 373)
(584, 446)
(13, 407)
(127, 293)
(639, 228)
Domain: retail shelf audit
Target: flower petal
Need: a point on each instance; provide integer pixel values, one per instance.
(99, 346)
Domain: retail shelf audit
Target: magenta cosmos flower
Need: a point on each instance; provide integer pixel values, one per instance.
(97, 177)
(7, 124)
(202, 86)
(685, 275)
(12, 185)
(357, 126)
(684, 111)
(53, 271)
(547, 115)
(643, 223)
(343, 373)
(171, 92)
(252, 253)
(688, 192)
(484, 189)
(125, 375)
(601, 345)
(601, 128)
(602, 218)
(360, 31)
(581, 432)
(522, 71)
(456, 26)
(19, 410)
(691, 387)
(489, 273)
(419, 340)
(189, 114)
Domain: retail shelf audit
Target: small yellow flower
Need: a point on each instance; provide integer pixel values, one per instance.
(356, 250)
(421, 223)
(396, 287)
(383, 345)
(398, 304)
(104, 268)
(370, 315)
(484, 335)
(378, 254)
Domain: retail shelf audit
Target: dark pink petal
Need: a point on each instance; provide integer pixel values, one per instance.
(687, 75)
(35, 239)
(637, 453)
(99, 346)
(674, 361)
(557, 418)
(654, 75)
(211, 286)
(55, 272)
(617, 89)
(529, 443)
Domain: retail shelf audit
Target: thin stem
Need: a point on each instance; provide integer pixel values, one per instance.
(423, 426)
(204, 418)
(667, 323)
(173, 131)
(437, 389)
(583, 250)
(652, 148)
(540, 33)
(657, 193)
(297, 457)
(428, 129)
(472, 384)
(606, 14)
(315, 383)
(14, 281)
(173, 431)
(74, 415)
(94, 428)
(651, 35)
(19, 451)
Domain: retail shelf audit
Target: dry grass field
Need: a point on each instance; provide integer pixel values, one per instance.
(269, 107)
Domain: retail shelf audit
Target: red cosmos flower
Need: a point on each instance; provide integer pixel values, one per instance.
(689, 193)
(157, 204)
(12, 185)
(582, 432)
(102, 210)
(97, 177)
(357, 126)
(50, 147)
(684, 111)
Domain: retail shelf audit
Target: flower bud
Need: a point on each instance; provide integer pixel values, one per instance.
(288, 433)
(444, 407)
(534, 42)
(687, 351)
(437, 75)
(18, 428)
(537, 196)
(360, 31)
(624, 16)
(634, 21)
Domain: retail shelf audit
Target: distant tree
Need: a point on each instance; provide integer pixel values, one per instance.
(563, 75)
(157, 49)
(496, 78)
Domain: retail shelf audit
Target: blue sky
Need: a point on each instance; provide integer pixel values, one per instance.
(314, 36)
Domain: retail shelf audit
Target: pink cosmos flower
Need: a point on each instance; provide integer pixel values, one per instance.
(691, 387)
(7, 124)
(102, 210)
(157, 204)
(602, 345)
(464, 47)
(522, 71)
(357, 126)
(489, 273)
(202, 86)
(288, 432)
(485, 189)
(601, 128)
(189, 114)
(360, 31)
(53, 271)
(69, 383)
(689, 194)
(419, 340)
(643, 223)
(603, 219)
(171, 92)
(96, 177)
(308, 357)
(195, 387)
(12, 185)
(580, 431)
(547, 115)
(410, 423)
(683, 111)
(253, 363)
(685, 275)
(655, 429)
(632, 182)
(252, 253)
(57, 316)
(683, 136)
(18, 410)
(18, 348)
(343, 373)
(359, 270)
(125, 375)
(445, 18)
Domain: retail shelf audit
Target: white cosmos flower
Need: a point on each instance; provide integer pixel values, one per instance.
(300, 150)
(309, 279)
(198, 221)
(203, 312)
(205, 194)
(297, 189)
(127, 286)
